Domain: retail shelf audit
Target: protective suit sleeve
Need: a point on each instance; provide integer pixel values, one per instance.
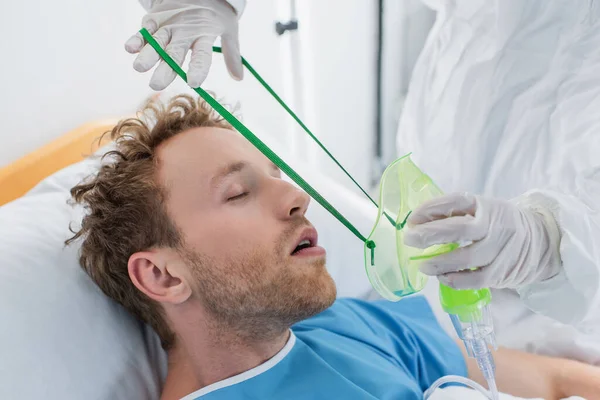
(238, 5)
(572, 296)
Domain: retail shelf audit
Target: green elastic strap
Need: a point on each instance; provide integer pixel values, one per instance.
(259, 144)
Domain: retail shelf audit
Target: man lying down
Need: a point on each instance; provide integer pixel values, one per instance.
(192, 229)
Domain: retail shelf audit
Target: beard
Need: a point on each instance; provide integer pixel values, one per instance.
(264, 292)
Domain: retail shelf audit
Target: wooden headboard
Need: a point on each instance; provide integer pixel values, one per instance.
(22, 175)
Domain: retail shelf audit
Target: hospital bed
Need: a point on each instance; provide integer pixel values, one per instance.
(62, 338)
(18, 178)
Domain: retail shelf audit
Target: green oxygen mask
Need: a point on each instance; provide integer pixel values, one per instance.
(391, 266)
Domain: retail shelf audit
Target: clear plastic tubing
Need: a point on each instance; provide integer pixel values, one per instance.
(475, 328)
(485, 361)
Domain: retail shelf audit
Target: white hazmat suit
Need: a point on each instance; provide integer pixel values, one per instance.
(505, 102)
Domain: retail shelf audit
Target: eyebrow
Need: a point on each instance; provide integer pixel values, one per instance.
(226, 171)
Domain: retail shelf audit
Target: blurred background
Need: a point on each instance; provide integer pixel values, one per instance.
(345, 70)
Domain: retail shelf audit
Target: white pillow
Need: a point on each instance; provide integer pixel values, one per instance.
(60, 337)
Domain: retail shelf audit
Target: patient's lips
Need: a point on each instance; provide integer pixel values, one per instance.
(307, 244)
(314, 251)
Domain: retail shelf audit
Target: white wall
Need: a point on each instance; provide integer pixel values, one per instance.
(63, 64)
(67, 67)
(339, 47)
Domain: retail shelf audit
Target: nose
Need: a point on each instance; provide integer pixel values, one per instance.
(293, 202)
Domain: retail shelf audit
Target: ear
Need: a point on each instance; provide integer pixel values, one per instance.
(150, 273)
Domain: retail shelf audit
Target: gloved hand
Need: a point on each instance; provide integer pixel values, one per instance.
(183, 25)
(511, 245)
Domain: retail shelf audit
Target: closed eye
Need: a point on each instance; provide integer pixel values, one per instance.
(238, 197)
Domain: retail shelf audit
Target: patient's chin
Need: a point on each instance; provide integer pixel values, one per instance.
(329, 288)
(290, 298)
(317, 291)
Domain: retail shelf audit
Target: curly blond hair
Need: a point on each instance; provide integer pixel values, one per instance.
(125, 204)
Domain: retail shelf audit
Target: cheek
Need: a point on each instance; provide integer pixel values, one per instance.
(231, 235)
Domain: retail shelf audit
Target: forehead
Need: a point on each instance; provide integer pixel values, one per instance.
(198, 153)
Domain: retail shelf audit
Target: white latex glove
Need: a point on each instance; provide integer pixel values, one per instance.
(511, 245)
(183, 25)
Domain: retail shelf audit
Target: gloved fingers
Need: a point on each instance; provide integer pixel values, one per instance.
(231, 53)
(201, 60)
(164, 74)
(469, 279)
(464, 258)
(450, 230)
(148, 57)
(450, 205)
(136, 42)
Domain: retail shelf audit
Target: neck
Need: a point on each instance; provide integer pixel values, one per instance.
(214, 352)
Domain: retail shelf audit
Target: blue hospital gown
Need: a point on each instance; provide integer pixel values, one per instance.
(354, 350)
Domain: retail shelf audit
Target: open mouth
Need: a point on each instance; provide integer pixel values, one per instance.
(305, 244)
(307, 240)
